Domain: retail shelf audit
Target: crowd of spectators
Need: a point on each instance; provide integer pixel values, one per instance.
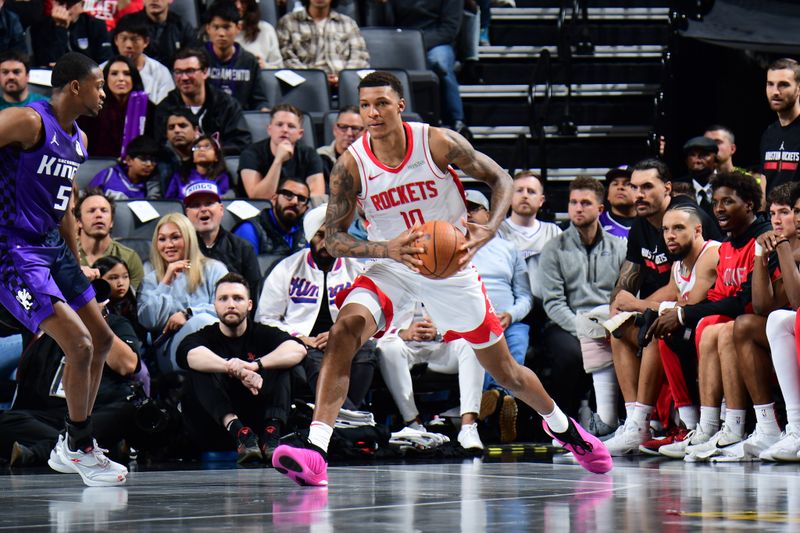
(676, 295)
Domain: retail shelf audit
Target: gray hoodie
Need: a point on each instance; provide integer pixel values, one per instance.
(576, 279)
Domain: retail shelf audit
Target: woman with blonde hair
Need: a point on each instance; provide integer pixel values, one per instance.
(177, 293)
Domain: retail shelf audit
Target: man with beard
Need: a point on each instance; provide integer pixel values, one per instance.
(780, 142)
(578, 269)
(94, 213)
(522, 228)
(265, 164)
(299, 296)
(618, 218)
(204, 209)
(216, 112)
(182, 130)
(239, 372)
(277, 229)
(736, 198)
(693, 273)
(646, 272)
(14, 67)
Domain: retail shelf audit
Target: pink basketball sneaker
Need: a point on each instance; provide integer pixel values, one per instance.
(302, 462)
(589, 451)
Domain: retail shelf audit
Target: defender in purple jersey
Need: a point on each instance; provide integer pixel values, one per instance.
(41, 283)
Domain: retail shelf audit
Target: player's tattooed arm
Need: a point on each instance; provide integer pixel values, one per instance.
(459, 152)
(344, 188)
(629, 280)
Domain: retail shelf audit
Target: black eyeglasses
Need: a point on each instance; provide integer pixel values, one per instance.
(289, 195)
(186, 72)
(472, 208)
(345, 127)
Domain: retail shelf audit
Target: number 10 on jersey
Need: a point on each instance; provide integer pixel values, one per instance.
(412, 217)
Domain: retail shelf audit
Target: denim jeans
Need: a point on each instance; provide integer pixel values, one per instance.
(442, 59)
(517, 336)
(10, 352)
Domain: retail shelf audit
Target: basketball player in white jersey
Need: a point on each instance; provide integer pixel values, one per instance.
(693, 273)
(399, 174)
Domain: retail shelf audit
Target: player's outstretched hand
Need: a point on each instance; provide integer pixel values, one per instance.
(403, 250)
(477, 236)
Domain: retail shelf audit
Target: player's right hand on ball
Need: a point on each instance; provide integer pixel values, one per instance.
(403, 248)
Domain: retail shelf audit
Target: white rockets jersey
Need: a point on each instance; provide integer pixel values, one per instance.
(685, 285)
(417, 191)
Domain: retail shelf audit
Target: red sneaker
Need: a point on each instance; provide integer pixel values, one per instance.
(676, 434)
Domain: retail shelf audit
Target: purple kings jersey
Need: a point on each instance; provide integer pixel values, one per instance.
(36, 185)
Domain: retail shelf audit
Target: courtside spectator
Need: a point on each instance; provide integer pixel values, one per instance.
(278, 157)
(14, 67)
(522, 228)
(577, 270)
(413, 340)
(203, 207)
(182, 130)
(130, 178)
(127, 112)
(320, 37)
(232, 69)
(177, 294)
(131, 39)
(348, 127)
(208, 165)
(94, 213)
(299, 297)
(278, 229)
(215, 110)
(240, 374)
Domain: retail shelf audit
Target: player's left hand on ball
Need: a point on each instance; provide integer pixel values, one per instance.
(477, 236)
(404, 249)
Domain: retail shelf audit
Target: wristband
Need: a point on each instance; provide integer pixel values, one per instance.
(680, 316)
(259, 364)
(759, 250)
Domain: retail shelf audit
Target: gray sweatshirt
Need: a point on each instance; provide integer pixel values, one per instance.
(576, 279)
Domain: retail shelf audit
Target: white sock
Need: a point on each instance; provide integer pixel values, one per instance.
(793, 415)
(689, 416)
(766, 419)
(319, 434)
(734, 421)
(557, 420)
(723, 410)
(605, 392)
(709, 419)
(641, 415)
(629, 406)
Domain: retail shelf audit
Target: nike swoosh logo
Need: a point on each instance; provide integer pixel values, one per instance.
(370, 178)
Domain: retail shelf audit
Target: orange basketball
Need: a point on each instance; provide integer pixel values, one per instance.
(441, 241)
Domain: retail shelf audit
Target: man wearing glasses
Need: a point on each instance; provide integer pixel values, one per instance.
(263, 165)
(278, 230)
(348, 128)
(214, 109)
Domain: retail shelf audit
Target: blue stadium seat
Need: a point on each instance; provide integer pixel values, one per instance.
(311, 96)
